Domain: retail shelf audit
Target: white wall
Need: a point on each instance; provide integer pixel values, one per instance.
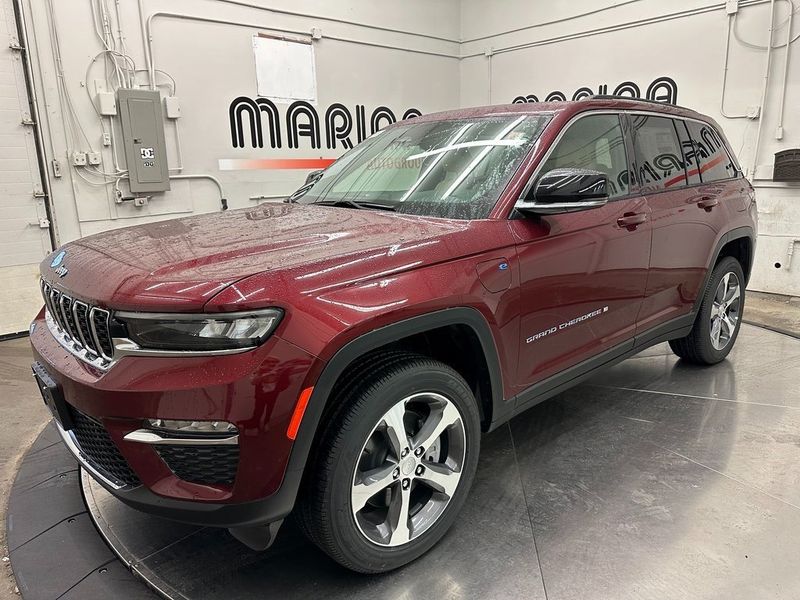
(535, 48)
(24, 238)
(638, 42)
(212, 63)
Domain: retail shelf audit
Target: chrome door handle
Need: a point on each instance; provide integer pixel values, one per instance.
(632, 220)
(707, 203)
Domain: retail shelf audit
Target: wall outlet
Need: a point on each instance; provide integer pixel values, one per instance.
(106, 104)
(106, 139)
(56, 167)
(94, 158)
(732, 7)
(172, 107)
(316, 33)
(79, 159)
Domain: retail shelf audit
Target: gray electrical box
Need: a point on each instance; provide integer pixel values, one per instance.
(143, 137)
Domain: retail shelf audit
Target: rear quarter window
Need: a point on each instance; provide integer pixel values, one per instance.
(715, 162)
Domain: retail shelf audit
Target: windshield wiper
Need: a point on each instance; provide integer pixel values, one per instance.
(346, 202)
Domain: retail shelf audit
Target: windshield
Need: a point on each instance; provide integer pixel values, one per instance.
(451, 169)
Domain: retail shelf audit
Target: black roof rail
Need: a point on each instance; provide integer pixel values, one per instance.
(619, 97)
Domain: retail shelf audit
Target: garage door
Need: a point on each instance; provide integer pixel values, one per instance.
(24, 236)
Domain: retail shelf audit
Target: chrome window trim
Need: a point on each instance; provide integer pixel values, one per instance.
(556, 141)
(559, 208)
(722, 138)
(607, 111)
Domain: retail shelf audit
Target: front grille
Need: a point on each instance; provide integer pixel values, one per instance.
(84, 326)
(99, 449)
(202, 464)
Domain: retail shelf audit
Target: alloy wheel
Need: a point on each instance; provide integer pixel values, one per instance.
(409, 469)
(725, 310)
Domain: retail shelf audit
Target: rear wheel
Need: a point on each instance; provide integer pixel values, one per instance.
(394, 467)
(719, 318)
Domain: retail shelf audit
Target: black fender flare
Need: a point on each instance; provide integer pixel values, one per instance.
(733, 234)
(371, 341)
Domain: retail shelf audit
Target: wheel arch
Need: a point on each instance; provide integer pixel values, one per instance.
(387, 337)
(739, 243)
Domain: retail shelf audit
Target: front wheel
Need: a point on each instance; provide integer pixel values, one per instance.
(719, 318)
(394, 466)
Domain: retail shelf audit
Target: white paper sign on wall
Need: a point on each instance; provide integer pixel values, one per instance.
(285, 69)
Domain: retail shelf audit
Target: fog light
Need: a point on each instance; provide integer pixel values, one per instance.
(201, 427)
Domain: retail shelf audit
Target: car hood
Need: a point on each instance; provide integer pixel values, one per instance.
(180, 264)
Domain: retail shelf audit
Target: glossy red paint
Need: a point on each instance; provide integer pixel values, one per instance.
(339, 273)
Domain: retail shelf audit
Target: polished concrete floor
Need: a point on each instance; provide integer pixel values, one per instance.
(654, 480)
(22, 417)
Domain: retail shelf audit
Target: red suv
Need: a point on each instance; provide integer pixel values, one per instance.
(338, 355)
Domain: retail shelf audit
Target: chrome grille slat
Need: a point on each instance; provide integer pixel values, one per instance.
(98, 321)
(80, 312)
(78, 324)
(55, 310)
(65, 304)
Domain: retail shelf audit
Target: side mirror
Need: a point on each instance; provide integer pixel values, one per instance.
(566, 190)
(313, 176)
(311, 179)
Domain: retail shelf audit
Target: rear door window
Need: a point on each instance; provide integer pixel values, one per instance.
(593, 142)
(715, 162)
(659, 158)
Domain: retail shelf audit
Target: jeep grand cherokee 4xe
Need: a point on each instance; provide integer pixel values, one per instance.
(337, 356)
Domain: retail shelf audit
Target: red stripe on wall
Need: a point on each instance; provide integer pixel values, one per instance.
(237, 164)
(703, 168)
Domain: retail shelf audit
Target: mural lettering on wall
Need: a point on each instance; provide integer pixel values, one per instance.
(661, 89)
(258, 124)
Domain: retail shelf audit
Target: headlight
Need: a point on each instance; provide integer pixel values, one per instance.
(201, 332)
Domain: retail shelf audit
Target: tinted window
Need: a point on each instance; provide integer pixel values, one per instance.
(690, 156)
(659, 159)
(715, 163)
(594, 142)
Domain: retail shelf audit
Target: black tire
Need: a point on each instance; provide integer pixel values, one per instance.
(697, 347)
(325, 507)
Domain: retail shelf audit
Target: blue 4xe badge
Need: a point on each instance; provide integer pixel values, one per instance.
(59, 268)
(58, 259)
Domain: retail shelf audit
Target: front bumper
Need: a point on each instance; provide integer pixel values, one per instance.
(256, 391)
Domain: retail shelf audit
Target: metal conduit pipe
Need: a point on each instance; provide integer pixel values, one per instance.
(280, 11)
(725, 73)
(147, 26)
(546, 23)
(779, 128)
(30, 82)
(618, 27)
(223, 200)
(763, 90)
